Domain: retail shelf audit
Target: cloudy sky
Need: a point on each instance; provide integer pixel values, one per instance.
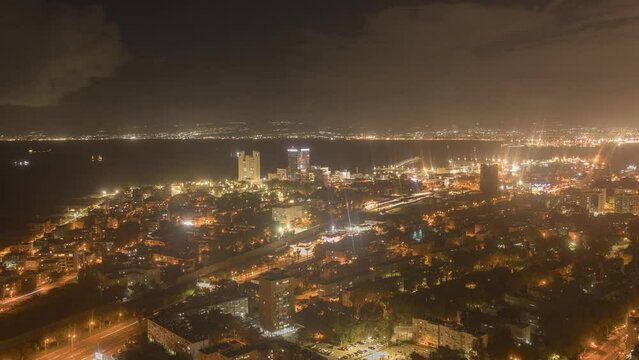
(81, 66)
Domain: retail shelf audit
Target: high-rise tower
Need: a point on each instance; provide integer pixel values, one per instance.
(248, 166)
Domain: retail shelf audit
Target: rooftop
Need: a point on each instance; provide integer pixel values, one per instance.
(191, 328)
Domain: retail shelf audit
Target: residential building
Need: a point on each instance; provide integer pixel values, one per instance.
(286, 216)
(276, 301)
(177, 334)
(595, 200)
(231, 350)
(627, 201)
(433, 333)
(248, 166)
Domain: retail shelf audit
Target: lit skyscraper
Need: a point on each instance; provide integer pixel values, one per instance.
(299, 161)
(304, 163)
(248, 166)
(293, 157)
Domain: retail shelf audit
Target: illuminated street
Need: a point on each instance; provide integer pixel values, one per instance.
(108, 341)
(614, 348)
(16, 300)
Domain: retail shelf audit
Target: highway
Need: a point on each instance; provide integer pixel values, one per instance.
(253, 254)
(12, 301)
(253, 272)
(108, 341)
(400, 201)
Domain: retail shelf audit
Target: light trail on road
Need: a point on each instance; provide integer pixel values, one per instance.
(108, 342)
(41, 290)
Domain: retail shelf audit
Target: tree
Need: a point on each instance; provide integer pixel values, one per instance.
(445, 353)
(171, 273)
(143, 350)
(501, 344)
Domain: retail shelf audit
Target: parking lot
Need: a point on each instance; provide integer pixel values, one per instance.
(370, 349)
(403, 351)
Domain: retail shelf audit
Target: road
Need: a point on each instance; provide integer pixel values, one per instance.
(12, 301)
(108, 341)
(252, 254)
(253, 272)
(401, 201)
(612, 349)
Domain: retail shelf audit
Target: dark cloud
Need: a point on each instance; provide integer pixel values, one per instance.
(369, 62)
(53, 49)
(494, 63)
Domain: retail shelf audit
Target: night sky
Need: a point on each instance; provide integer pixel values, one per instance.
(82, 66)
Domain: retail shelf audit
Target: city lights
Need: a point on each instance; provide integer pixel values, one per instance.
(320, 180)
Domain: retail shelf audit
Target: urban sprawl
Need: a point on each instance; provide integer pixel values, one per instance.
(482, 258)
